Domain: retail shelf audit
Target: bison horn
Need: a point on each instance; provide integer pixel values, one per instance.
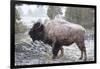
(37, 25)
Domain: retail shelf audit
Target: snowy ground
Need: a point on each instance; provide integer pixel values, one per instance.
(28, 53)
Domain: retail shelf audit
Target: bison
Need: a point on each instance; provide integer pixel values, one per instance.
(59, 33)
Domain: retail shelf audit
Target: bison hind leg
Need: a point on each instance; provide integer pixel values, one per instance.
(61, 52)
(81, 46)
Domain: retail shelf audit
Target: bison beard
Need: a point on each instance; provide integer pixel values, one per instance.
(59, 33)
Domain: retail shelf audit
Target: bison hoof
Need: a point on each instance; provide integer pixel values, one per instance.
(61, 55)
(53, 57)
(85, 59)
(80, 58)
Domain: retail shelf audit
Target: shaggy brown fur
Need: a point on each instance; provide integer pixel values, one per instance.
(61, 32)
(65, 33)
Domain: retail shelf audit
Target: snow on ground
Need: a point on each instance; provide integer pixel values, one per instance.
(34, 53)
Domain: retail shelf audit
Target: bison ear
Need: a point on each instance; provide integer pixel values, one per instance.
(38, 27)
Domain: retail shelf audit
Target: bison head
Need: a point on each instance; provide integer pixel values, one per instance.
(37, 32)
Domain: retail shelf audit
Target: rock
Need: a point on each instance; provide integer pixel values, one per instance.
(32, 53)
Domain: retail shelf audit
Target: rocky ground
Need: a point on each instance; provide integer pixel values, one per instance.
(28, 53)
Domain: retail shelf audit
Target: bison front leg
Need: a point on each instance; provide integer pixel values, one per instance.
(82, 48)
(55, 50)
